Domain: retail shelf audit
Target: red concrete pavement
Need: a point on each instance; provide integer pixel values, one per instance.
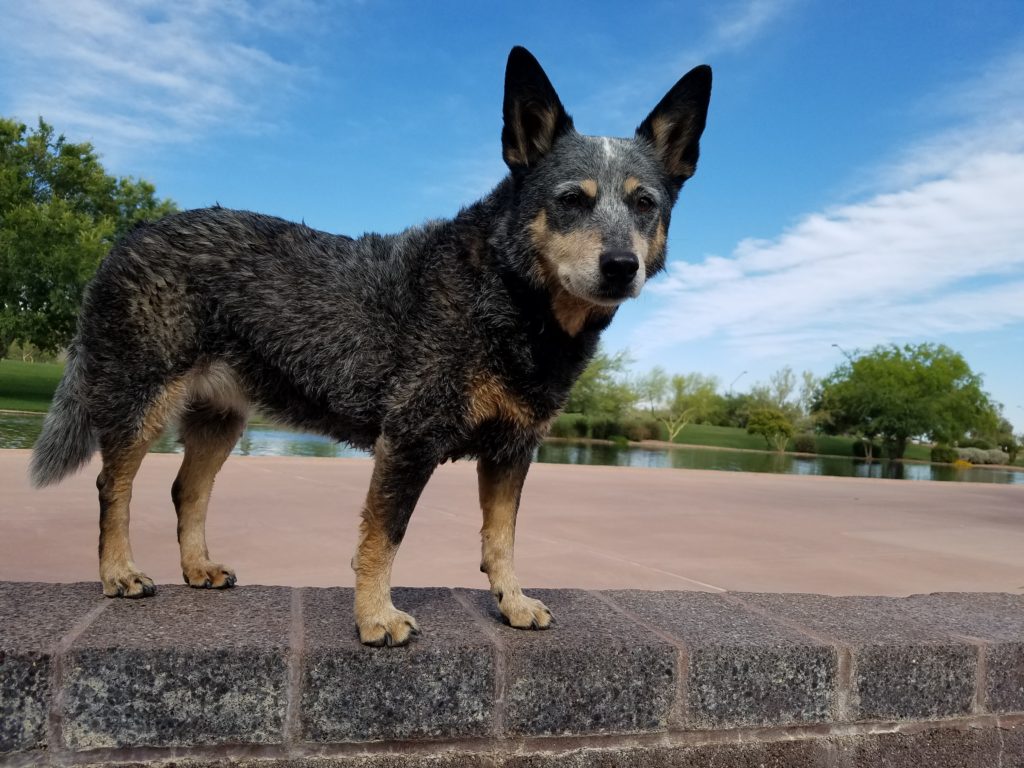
(293, 521)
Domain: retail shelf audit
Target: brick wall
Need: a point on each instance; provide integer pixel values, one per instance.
(272, 676)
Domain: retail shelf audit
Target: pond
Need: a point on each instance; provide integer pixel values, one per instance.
(21, 430)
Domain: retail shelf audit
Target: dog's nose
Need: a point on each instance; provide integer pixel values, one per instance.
(619, 266)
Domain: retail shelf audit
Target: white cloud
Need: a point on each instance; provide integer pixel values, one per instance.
(145, 71)
(744, 23)
(939, 252)
(625, 102)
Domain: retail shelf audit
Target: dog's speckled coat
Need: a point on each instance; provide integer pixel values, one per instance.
(459, 338)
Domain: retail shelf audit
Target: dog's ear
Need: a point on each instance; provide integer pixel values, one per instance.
(534, 117)
(675, 125)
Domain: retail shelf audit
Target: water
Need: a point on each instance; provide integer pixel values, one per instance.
(21, 430)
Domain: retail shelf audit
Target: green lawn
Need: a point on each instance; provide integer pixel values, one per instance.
(28, 386)
(720, 437)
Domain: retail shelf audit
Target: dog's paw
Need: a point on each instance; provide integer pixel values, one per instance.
(127, 582)
(390, 627)
(207, 575)
(524, 612)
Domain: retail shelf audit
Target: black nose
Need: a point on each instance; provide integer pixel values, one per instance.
(619, 266)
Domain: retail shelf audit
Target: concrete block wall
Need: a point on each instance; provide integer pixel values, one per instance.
(274, 676)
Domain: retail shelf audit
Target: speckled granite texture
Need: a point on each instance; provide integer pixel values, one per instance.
(274, 676)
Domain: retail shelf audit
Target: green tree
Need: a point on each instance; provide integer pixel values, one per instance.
(693, 398)
(896, 393)
(773, 425)
(652, 388)
(59, 214)
(602, 390)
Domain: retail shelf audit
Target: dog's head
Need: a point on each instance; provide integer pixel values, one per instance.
(597, 209)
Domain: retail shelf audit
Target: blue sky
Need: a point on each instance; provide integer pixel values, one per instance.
(861, 177)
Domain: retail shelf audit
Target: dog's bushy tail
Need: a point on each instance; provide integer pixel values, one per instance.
(68, 439)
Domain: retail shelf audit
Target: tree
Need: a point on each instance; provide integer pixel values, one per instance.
(773, 425)
(783, 385)
(652, 388)
(693, 397)
(59, 214)
(896, 393)
(809, 384)
(601, 390)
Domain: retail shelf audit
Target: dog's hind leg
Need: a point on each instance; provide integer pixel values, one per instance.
(123, 453)
(500, 488)
(399, 477)
(208, 434)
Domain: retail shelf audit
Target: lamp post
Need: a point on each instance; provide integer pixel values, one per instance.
(742, 373)
(845, 353)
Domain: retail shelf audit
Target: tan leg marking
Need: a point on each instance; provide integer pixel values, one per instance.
(500, 489)
(205, 453)
(379, 622)
(118, 572)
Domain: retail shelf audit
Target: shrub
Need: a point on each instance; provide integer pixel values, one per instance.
(976, 443)
(569, 425)
(561, 426)
(605, 428)
(639, 428)
(773, 425)
(805, 442)
(943, 454)
(997, 456)
(982, 456)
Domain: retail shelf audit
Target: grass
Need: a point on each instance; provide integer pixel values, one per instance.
(28, 386)
(720, 437)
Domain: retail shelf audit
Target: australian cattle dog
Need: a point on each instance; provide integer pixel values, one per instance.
(455, 339)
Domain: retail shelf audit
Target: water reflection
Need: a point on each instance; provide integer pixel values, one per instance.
(21, 430)
(742, 461)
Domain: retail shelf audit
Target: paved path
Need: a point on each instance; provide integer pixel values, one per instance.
(292, 521)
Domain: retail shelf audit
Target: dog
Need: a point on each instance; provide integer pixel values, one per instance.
(455, 339)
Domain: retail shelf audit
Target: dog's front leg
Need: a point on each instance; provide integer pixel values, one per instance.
(500, 488)
(398, 479)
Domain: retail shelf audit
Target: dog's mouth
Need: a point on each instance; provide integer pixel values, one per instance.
(601, 292)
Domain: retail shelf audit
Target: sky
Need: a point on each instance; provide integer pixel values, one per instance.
(861, 179)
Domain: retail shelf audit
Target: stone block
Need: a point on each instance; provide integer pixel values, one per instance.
(743, 669)
(439, 686)
(33, 620)
(902, 669)
(945, 747)
(995, 618)
(185, 667)
(809, 753)
(593, 671)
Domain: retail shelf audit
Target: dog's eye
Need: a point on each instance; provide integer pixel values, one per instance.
(644, 204)
(574, 199)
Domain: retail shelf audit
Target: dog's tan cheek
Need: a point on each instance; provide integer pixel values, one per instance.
(651, 251)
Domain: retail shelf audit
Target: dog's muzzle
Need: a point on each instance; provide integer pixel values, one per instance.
(618, 268)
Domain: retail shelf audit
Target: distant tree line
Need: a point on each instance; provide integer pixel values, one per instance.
(883, 398)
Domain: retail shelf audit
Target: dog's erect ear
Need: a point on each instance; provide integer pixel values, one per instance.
(675, 125)
(534, 117)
